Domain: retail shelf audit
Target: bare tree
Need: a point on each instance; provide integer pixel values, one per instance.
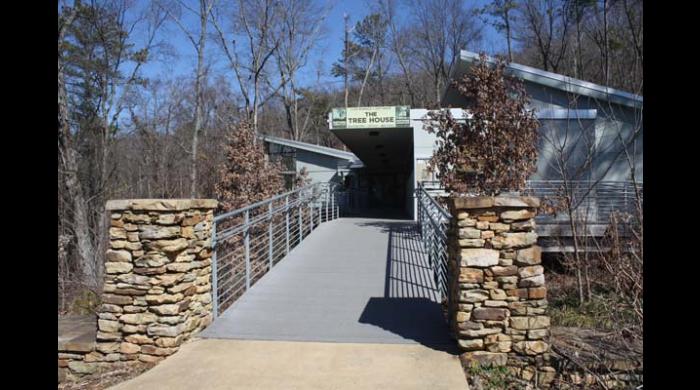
(501, 10)
(441, 28)
(198, 41)
(68, 158)
(95, 50)
(545, 25)
(299, 31)
(398, 41)
(346, 54)
(495, 150)
(254, 21)
(595, 40)
(581, 156)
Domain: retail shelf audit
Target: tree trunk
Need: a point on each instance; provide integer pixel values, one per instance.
(369, 69)
(345, 59)
(69, 162)
(507, 23)
(606, 57)
(198, 97)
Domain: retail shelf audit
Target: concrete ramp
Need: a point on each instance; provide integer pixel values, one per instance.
(352, 280)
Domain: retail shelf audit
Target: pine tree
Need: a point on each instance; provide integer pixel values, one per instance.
(246, 176)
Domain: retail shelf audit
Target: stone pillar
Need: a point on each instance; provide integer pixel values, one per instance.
(157, 283)
(497, 293)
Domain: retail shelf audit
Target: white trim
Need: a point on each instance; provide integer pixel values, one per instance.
(548, 113)
(563, 113)
(561, 82)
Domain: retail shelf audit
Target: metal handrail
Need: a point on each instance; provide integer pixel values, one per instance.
(249, 241)
(434, 222)
(268, 200)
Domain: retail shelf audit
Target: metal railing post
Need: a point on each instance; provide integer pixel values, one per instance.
(214, 273)
(246, 239)
(332, 205)
(301, 231)
(269, 233)
(311, 218)
(328, 194)
(286, 218)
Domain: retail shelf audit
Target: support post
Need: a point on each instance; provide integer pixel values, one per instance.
(301, 225)
(286, 220)
(246, 240)
(214, 274)
(269, 233)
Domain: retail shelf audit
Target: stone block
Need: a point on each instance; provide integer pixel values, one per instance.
(484, 358)
(537, 293)
(471, 243)
(530, 271)
(118, 255)
(471, 275)
(535, 347)
(469, 232)
(118, 268)
(489, 313)
(510, 270)
(529, 256)
(478, 257)
(523, 226)
(514, 240)
(471, 296)
(534, 281)
(470, 344)
(517, 215)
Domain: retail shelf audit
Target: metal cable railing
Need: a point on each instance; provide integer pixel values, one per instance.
(251, 240)
(593, 202)
(434, 222)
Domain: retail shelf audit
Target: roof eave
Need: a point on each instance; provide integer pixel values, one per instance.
(311, 148)
(554, 80)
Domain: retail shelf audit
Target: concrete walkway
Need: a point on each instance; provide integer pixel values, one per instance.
(261, 365)
(351, 280)
(359, 292)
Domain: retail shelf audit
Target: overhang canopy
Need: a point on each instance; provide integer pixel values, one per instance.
(380, 149)
(380, 136)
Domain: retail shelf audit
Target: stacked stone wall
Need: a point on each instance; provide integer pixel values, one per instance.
(498, 298)
(157, 281)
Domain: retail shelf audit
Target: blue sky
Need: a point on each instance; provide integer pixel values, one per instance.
(329, 48)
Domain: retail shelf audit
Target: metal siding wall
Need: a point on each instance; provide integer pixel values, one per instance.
(612, 120)
(321, 168)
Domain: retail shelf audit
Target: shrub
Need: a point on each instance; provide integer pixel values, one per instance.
(496, 149)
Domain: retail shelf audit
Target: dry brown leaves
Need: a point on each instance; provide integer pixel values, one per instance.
(494, 151)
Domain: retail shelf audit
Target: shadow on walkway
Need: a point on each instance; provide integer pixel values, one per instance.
(411, 305)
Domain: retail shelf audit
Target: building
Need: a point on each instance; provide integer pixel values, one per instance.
(596, 130)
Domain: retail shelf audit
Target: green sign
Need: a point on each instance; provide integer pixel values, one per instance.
(370, 117)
